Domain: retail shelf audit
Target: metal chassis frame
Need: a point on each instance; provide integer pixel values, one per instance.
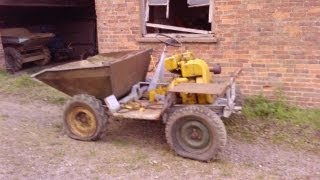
(223, 106)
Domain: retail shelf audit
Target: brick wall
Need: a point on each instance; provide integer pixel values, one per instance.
(1, 56)
(276, 42)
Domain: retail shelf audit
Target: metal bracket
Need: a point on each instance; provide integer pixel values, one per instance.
(135, 94)
(231, 96)
(112, 103)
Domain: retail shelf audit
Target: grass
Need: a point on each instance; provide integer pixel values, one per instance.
(226, 169)
(57, 126)
(3, 117)
(260, 107)
(120, 142)
(277, 121)
(59, 153)
(29, 89)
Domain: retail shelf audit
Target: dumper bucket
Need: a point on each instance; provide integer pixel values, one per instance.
(22, 36)
(101, 75)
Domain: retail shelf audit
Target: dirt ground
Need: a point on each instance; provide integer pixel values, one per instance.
(33, 146)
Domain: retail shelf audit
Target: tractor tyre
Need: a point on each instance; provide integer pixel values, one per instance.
(84, 118)
(13, 59)
(196, 132)
(46, 59)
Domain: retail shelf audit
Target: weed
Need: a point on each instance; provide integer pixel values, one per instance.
(260, 107)
(57, 126)
(56, 99)
(3, 74)
(120, 142)
(93, 153)
(24, 81)
(225, 168)
(3, 117)
(281, 137)
(141, 157)
(59, 153)
(277, 121)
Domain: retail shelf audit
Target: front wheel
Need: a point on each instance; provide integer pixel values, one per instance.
(84, 118)
(13, 59)
(196, 132)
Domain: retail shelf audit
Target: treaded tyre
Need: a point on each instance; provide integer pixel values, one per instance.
(84, 118)
(196, 132)
(13, 59)
(47, 58)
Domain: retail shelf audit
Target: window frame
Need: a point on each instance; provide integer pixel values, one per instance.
(183, 37)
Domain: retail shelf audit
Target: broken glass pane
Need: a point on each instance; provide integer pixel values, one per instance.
(198, 2)
(158, 2)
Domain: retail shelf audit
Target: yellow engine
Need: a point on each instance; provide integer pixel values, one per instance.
(190, 70)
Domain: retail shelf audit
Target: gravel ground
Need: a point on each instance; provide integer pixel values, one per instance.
(34, 147)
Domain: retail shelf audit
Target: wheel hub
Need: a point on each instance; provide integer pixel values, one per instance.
(82, 122)
(83, 118)
(194, 135)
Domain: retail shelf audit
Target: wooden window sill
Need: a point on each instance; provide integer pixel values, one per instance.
(183, 39)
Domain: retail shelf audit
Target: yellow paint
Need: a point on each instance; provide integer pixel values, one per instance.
(187, 56)
(171, 63)
(82, 121)
(177, 81)
(204, 98)
(188, 98)
(196, 68)
(161, 90)
(191, 70)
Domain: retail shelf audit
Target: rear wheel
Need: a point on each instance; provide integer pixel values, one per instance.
(84, 118)
(13, 59)
(196, 132)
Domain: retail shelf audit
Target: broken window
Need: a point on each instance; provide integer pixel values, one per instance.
(185, 17)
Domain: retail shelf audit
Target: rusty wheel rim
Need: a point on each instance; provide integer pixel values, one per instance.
(82, 122)
(193, 135)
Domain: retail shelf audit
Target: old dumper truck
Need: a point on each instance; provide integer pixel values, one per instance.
(21, 46)
(114, 85)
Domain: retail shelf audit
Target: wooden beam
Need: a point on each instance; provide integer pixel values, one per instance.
(198, 88)
(201, 5)
(211, 13)
(175, 28)
(183, 40)
(181, 35)
(33, 58)
(143, 17)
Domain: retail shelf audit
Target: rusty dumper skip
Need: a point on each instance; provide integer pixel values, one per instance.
(114, 85)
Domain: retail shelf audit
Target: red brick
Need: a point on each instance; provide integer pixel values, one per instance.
(1, 56)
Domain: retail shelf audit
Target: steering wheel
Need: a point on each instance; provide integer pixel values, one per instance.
(170, 41)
